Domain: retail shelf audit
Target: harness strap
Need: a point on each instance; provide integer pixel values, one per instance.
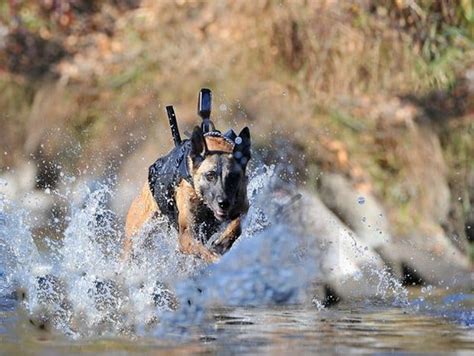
(166, 173)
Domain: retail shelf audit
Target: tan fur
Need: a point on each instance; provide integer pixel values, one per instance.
(205, 166)
(186, 198)
(218, 144)
(142, 209)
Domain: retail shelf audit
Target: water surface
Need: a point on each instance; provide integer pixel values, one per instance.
(361, 326)
(257, 299)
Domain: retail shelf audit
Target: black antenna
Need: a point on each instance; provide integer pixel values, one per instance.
(173, 125)
(204, 109)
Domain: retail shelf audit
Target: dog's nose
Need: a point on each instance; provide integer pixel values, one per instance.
(223, 203)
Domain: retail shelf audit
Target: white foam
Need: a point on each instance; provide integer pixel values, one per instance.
(83, 288)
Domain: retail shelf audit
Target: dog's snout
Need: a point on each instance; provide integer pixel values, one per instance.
(223, 203)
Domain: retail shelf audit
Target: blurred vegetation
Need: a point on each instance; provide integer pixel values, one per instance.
(434, 26)
(374, 89)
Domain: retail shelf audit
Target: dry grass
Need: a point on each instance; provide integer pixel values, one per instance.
(321, 73)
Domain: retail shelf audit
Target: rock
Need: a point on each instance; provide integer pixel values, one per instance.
(18, 181)
(18, 185)
(363, 213)
(430, 254)
(359, 210)
(349, 267)
(427, 250)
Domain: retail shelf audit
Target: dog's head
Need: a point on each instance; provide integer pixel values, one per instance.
(219, 172)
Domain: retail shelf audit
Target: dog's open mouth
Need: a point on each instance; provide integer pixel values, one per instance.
(220, 215)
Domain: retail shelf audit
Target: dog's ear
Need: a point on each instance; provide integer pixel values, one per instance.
(198, 145)
(242, 147)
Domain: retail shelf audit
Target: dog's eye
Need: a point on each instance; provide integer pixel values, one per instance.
(210, 176)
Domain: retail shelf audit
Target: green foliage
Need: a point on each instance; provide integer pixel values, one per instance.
(435, 25)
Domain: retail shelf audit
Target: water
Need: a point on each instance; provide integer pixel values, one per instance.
(355, 327)
(77, 294)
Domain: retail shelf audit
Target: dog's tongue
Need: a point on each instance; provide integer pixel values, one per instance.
(219, 215)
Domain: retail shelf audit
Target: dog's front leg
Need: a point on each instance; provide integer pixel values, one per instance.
(228, 237)
(189, 245)
(142, 209)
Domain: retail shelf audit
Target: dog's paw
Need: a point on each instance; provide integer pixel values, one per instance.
(212, 257)
(221, 246)
(209, 255)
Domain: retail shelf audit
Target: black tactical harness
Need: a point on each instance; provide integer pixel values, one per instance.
(164, 176)
(167, 172)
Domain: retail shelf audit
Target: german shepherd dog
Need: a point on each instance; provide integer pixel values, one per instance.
(201, 185)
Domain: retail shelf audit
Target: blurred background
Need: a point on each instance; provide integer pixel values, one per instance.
(365, 98)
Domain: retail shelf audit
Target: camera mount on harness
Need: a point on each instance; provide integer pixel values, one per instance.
(204, 111)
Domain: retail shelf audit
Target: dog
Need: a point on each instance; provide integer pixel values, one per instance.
(201, 186)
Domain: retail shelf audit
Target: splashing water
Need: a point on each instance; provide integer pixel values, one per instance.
(82, 287)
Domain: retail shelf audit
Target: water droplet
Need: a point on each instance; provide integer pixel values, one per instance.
(238, 140)
(364, 219)
(361, 200)
(47, 191)
(223, 107)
